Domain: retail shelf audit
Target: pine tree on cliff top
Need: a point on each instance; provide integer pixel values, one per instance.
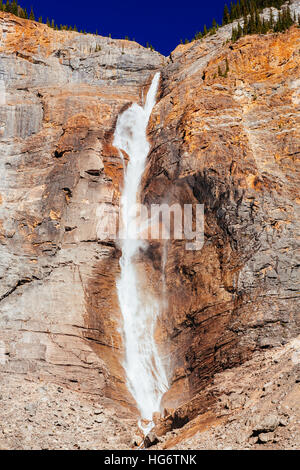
(214, 26)
(7, 7)
(14, 8)
(232, 13)
(239, 31)
(226, 15)
(31, 16)
(254, 24)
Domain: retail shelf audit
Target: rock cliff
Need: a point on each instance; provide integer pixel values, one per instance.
(61, 102)
(227, 140)
(232, 144)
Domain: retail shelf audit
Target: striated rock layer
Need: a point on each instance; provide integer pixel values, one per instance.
(232, 144)
(61, 101)
(228, 140)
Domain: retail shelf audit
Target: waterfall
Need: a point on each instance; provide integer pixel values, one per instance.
(146, 377)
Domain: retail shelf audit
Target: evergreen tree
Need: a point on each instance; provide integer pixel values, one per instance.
(264, 28)
(251, 24)
(288, 17)
(239, 31)
(271, 20)
(8, 6)
(258, 23)
(232, 13)
(234, 34)
(243, 8)
(226, 15)
(238, 10)
(245, 25)
(278, 24)
(14, 8)
(214, 26)
(31, 16)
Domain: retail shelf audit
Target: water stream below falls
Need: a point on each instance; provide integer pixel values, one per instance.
(145, 373)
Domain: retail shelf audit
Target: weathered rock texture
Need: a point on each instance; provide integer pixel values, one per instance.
(256, 406)
(60, 104)
(229, 142)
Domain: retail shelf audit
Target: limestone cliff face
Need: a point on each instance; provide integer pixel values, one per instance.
(60, 104)
(230, 143)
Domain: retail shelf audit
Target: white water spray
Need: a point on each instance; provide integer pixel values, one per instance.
(146, 377)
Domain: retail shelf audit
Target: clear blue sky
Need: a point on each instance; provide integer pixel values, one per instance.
(160, 22)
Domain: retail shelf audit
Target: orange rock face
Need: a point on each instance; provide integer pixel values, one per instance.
(228, 142)
(59, 107)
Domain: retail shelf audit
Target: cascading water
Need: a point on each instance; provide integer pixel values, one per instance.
(146, 377)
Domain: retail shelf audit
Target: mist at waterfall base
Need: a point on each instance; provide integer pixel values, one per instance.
(146, 376)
